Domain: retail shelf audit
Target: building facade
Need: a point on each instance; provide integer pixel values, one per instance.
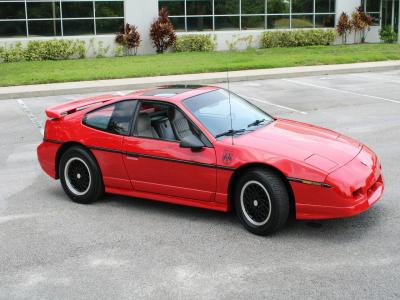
(232, 22)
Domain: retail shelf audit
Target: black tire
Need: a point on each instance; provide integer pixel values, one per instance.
(80, 175)
(262, 201)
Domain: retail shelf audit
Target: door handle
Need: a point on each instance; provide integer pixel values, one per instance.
(132, 157)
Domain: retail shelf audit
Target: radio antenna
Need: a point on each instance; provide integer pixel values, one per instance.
(230, 104)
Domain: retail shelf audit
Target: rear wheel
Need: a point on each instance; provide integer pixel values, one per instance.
(80, 176)
(262, 201)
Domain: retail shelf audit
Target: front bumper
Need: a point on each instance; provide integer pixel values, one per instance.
(355, 188)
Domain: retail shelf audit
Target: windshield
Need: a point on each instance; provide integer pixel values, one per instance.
(213, 111)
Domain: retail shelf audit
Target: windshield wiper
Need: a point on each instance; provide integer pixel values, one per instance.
(231, 132)
(256, 123)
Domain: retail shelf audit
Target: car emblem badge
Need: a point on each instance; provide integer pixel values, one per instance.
(227, 157)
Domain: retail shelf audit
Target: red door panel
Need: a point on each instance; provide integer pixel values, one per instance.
(162, 167)
(106, 147)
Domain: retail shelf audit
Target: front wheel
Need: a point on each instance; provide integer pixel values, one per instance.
(262, 201)
(80, 176)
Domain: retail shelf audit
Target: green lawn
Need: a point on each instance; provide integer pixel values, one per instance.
(183, 63)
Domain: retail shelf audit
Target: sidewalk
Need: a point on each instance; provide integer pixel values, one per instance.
(203, 78)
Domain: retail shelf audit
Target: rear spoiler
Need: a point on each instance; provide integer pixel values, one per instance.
(62, 110)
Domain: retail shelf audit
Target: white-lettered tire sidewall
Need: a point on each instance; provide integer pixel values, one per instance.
(96, 183)
(279, 199)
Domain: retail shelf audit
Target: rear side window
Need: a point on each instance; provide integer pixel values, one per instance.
(115, 118)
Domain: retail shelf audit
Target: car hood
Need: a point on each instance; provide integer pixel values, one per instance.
(316, 146)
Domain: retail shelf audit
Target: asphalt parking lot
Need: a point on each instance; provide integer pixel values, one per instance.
(52, 248)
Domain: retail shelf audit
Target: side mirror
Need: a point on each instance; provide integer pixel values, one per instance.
(192, 142)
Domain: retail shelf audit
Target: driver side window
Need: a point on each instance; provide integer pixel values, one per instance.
(163, 121)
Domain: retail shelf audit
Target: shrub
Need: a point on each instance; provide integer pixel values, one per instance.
(44, 50)
(367, 21)
(129, 37)
(98, 48)
(344, 26)
(195, 42)
(12, 53)
(54, 50)
(297, 38)
(388, 35)
(162, 32)
(118, 51)
(361, 23)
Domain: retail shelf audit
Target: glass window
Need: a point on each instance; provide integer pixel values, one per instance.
(278, 22)
(44, 27)
(322, 21)
(226, 7)
(115, 118)
(78, 27)
(109, 8)
(175, 7)
(325, 6)
(373, 6)
(302, 21)
(278, 6)
(178, 23)
(253, 22)
(213, 111)
(302, 6)
(199, 7)
(253, 6)
(12, 10)
(12, 28)
(377, 18)
(105, 26)
(82, 9)
(199, 23)
(43, 10)
(163, 121)
(226, 23)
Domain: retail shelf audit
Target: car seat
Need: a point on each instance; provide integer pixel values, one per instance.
(144, 128)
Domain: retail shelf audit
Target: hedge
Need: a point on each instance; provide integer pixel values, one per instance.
(43, 50)
(195, 43)
(388, 35)
(297, 38)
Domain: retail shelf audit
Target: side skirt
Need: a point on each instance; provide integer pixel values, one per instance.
(168, 199)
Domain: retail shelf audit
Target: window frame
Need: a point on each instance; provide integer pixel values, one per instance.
(215, 16)
(106, 106)
(58, 17)
(206, 141)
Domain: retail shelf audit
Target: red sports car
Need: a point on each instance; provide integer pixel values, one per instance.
(206, 147)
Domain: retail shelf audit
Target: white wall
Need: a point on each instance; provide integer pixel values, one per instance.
(373, 35)
(142, 13)
(348, 6)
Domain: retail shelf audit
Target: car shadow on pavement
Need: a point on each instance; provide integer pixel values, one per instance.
(347, 229)
(172, 210)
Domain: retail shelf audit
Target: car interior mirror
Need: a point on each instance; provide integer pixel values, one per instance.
(192, 142)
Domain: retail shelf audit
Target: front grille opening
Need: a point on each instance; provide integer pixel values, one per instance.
(374, 186)
(357, 193)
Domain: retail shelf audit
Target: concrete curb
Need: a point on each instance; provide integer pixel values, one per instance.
(81, 87)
